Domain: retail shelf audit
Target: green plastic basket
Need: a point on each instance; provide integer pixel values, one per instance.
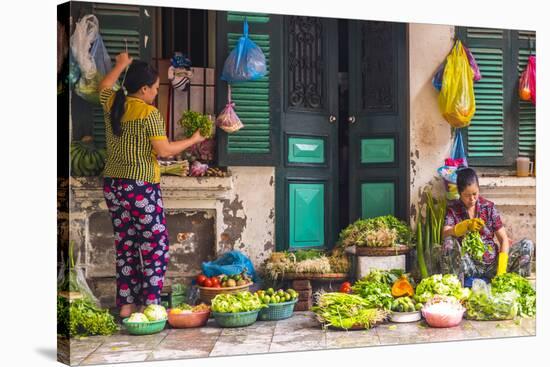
(236, 319)
(144, 328)
(277, 311)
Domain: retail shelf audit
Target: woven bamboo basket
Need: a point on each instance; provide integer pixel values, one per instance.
(382, 251)
(206, 294)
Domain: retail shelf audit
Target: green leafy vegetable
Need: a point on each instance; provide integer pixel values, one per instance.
(345, 311)
(482, 305)
(237, 302)
(404, 304)
(473, 245)
(527, 299)
(376, 293)
(192, 121)
(445, 285)
(376, 232)
(81, 317)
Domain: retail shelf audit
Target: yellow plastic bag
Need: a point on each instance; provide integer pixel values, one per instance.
(456, 99)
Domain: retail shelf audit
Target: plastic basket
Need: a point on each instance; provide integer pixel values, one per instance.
(236, 319)
(277, 311)
(144, 328)
(206, 294)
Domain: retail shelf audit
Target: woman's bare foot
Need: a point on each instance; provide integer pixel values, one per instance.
(127, 310)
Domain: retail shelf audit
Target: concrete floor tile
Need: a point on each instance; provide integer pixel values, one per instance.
(499, 329)
(298, 345)
(258, 328)
(80, 349)
(529, 324)
(126, 343)
(300, 335)
(193, 333)
(352, 338)
(241, 344)
(117, 357)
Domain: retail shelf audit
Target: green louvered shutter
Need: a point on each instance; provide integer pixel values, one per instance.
(121, 26)
(485, 138)
(527, 111)
(256, 102)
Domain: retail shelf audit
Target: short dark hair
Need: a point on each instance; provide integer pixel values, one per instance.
(466, 177)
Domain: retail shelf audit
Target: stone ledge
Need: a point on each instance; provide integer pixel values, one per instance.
(509, 190)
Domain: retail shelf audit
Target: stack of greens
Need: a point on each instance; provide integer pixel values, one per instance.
(385, 276)
(237, 302)
(473, 245)
(375, 293)
(527, 296)
(310, 261)
(482, 304)
(444, 285)
(428, 234)
(346, 311)
(381, 231)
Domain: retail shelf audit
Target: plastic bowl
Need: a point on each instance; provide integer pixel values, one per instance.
(144, 328)
(405, 316)
(443, 320)
(188, 320)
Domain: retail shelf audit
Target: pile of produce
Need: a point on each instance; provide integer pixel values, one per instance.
(444, 285)
(179, 168)
(223, 281)
(388, 277)
(304, 262)
(86, 159)
(78, 311)
(375, 293)
(237, 302)
(82, 317)
(527, 296)
(271, 296)
(192, 121)
(405, 304)
(482, 304)
(186, 308)
(151, 313)
(345, 311)
(473, 245)
(428, 234)
(382, 231)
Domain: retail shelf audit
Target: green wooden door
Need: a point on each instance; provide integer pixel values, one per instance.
(307, 179)
(378, 120)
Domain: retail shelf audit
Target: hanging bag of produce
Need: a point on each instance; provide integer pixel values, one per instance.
(448, 171)
(527, 89)
(92, 57)
(246, 62)
(456, 99)
(438, 76)
(228, 120)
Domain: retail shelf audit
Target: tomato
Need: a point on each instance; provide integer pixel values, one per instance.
(200, 279)
(216, 286)
(345, 287)
(215, 281)
(207, 283)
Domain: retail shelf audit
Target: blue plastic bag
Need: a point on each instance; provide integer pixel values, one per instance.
(457, 151)
(437, 79)
(246, 62)
(230, 263)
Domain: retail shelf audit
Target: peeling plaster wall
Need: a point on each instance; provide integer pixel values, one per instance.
(430, 136)
(249, 215)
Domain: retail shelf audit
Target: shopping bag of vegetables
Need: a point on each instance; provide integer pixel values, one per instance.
(527, 85)
(456, 99)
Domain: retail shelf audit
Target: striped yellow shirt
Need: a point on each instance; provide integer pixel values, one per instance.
(131, 155)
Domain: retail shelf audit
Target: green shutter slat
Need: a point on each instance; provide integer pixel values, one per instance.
(250, 17)
(113, 9)
(486, 131)
(251, 99)
(526, 35)
(485, 33)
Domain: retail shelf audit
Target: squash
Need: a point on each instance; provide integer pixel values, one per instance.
(402, 287)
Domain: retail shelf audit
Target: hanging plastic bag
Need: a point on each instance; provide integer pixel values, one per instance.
(473, 64)
(458, 154)
(179, 72)
(527, 87)
(246, 62)
(448, 171)
(438, 76)
(228, 120)
(456, 99)
(92, 57)
(482, 304)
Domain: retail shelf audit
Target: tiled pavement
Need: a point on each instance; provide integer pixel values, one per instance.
(298, 333)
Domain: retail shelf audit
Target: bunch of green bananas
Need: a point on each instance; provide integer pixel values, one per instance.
(86, 159)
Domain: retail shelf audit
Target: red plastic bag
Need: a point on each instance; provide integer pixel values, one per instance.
(527, 81)
(228, 120)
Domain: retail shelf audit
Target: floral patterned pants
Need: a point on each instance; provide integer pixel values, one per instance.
(452, 262)
(141, 239)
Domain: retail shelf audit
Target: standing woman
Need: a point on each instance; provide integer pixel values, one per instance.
(135, 135)
(471, 212)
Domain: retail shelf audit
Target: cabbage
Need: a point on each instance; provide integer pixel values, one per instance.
(445, 285)
(155, 312)
(138, 317)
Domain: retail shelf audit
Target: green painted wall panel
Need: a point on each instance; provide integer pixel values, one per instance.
(377, 198)
(306, 150)
(377, 150)
(306, 214)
